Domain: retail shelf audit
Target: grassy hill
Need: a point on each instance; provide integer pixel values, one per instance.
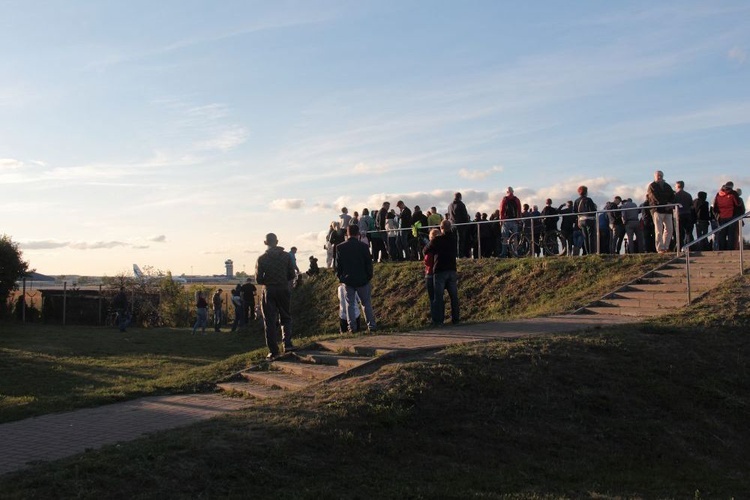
(653, 410)
(490, 290)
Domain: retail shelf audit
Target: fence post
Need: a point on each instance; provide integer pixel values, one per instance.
(23, 302)
(65, 300)
(676, 216)
(742, 245)
(598, 233)
(479, 242)
(100, 304)
(687, 274)
(531, 246)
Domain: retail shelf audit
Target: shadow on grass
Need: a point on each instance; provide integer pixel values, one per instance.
(616, 413)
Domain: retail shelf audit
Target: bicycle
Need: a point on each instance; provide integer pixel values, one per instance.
(551, 242)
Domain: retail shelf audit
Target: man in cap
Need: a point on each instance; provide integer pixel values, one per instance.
(274, 270)
(355, 272)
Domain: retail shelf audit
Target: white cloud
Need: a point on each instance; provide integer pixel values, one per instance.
(43, 245)
(288, 204)
(363, 168)
(225, 140)
(159, 239)
(479, 174)
(98, 245)
(737, 55)
(10, 163)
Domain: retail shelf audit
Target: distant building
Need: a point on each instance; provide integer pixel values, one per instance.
(230, 268)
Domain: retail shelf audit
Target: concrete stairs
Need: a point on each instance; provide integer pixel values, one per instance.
(664, 289)
(299, 369)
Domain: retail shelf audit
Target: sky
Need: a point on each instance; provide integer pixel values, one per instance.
(176, 134)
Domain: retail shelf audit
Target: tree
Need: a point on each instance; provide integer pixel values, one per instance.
(12, 268)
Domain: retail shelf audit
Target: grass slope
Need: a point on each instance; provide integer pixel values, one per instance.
(656, 410)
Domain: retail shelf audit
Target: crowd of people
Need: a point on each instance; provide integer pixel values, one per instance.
(397, 234)
(669, 216)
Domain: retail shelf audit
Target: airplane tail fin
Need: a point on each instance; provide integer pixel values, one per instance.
(137, 271)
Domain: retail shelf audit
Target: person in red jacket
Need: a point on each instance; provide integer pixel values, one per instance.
(726, 207)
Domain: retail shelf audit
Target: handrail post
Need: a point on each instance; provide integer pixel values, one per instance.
(598, 233)
(531, 246)
(676, 216)
(742, 245)
(65, 301)
(687, 273)
(479, 241)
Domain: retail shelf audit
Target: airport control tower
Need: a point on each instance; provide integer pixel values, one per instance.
(230, 268)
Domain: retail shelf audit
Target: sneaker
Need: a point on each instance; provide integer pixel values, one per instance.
(271, 356)
(289, 348)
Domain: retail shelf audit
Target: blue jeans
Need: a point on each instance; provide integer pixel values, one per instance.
(201, 320)
(365, 298)
(509, 228)
(429, 283)
(445, 280)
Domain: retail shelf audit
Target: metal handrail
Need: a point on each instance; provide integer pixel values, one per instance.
(686, 249)
(595, 213)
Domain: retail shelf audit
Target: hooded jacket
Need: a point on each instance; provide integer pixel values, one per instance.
(726, 204)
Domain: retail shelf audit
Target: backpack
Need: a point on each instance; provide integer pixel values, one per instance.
(511, 210)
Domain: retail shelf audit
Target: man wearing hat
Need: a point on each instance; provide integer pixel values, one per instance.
(274, 270)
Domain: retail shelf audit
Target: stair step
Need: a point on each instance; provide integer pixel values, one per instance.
(255, 390)
(696, 272)
(675, 280)
(285, 381)
(648, 294)
(307, 370)
(360, 350)
(645, 303)
(628, 311)
(332, 359)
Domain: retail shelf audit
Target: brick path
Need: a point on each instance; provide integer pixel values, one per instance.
(59, 435)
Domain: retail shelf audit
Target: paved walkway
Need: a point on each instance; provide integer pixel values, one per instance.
(59, 435)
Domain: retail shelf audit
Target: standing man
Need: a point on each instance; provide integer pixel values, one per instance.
(355, 272)
(248, 296)
(457, 214)
(616, 225)
(217, 300)
(293, 255)
(584, 207)
(120, 305)
(567, 224)
(434, 219)
(702, 211)
(274, 270)
(661, 193)
(685, 213)
(510, 208)
(442, 249)
(405, 221)
(633, 228)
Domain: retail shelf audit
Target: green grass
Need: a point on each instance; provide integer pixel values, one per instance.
(45, 369)
(621, 413)
(654, 410)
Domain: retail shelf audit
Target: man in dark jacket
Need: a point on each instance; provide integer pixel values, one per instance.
(458, 214)
(445, 277)
(274, 270)
(660, 193)
(248, 297)
(355, 272)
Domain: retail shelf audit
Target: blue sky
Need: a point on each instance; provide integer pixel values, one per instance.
(175, 134)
